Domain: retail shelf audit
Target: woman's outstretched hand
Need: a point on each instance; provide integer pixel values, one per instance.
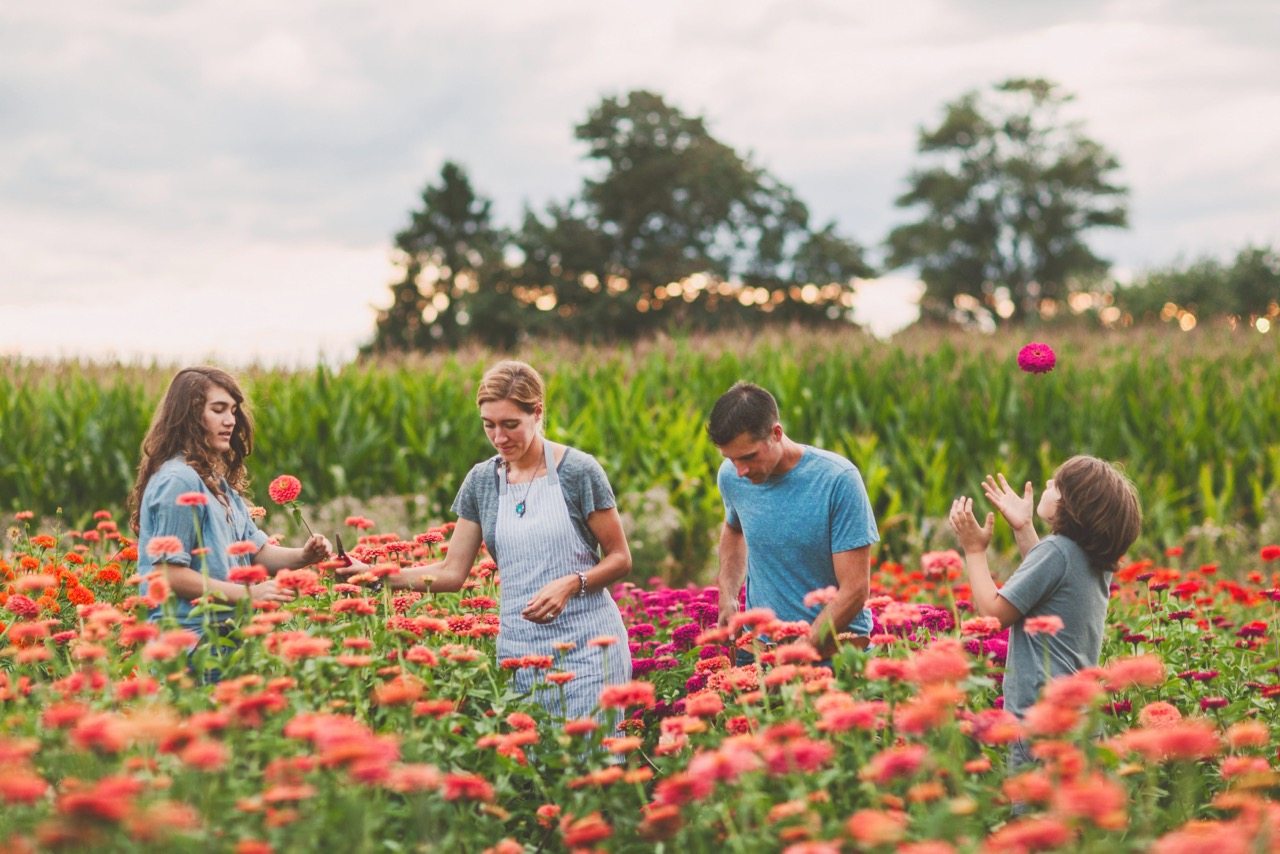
(1016, 509)
(973, 537)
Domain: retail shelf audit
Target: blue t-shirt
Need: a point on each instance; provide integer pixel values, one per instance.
(160, 515)
(793, 524)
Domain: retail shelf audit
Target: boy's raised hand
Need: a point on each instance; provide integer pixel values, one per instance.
(973, 537)
(1016, 509)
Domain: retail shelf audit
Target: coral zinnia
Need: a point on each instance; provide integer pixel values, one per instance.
(1037, 358)
(284, 489)
(164, 545)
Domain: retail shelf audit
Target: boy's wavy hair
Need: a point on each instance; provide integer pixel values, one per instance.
(178, 429)
(1098, 510)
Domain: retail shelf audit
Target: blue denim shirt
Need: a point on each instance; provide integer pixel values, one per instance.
(160, 515)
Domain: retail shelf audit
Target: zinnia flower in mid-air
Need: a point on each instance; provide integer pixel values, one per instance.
(1037, 358)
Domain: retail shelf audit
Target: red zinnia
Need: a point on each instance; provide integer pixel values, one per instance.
(1037, 358)
(584, 831)
(629, 694)
(464, 786)
(22, 786)
(284, 489)
(247, 574)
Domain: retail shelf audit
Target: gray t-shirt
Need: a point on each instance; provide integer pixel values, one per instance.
(1054, 579)
(582, 481)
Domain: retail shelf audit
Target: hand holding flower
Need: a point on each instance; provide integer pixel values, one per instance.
(315, 549)
(284, 490)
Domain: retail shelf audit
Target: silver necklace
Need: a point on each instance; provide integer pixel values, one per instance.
(521, 505)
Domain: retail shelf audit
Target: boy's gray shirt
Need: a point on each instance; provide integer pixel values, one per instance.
(1054, 579)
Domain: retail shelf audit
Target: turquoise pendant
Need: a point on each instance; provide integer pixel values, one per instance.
(520, 509)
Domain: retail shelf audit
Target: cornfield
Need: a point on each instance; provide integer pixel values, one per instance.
(1194, 418)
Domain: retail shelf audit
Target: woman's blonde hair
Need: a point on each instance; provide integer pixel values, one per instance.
(178, 429)
(513, 381)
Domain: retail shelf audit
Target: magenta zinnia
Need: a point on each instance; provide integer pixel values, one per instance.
(1037, 358)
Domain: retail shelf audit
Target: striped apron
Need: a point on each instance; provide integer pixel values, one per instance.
(534, 549)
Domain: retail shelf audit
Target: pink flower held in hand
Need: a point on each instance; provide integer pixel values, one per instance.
(284, 489)
(162, 546)
(1037, 358)
(192, 499)
(1049, 625)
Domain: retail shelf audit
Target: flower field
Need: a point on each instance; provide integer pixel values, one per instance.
(351, 720)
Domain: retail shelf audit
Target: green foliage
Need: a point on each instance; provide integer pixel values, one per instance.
(924, 419)
(671, 231)
(1247, 287)
(1007, 193)
(451, 253)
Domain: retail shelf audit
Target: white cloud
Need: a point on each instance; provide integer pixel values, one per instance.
(147, 146)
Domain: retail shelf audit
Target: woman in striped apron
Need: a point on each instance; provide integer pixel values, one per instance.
(550, 520)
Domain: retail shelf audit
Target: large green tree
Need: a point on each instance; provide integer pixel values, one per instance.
(1005, 199)
(671, 204)
(674, 228)
(452, 262)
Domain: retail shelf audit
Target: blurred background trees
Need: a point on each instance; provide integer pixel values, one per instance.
(1005, 199)
(674, 228)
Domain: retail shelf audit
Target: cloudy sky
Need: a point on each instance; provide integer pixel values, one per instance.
(183, 180)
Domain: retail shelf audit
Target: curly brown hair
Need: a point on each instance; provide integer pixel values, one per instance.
(178, 428)
(1098, 509)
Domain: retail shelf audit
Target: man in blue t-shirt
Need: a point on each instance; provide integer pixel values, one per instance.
(797, 519)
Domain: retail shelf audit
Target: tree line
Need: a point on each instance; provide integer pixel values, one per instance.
(680, 230)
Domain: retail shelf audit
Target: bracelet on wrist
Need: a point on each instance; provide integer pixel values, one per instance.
(582, 584)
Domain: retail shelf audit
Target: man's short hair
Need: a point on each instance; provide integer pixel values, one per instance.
(745, 408)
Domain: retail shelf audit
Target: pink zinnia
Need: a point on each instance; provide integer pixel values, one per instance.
(192, 499)
(821, 596)
(938, 564)
(284, 489)
(1048, 624)
(22, 606)
(1036, 358)
(242, 547)
(164, 545)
